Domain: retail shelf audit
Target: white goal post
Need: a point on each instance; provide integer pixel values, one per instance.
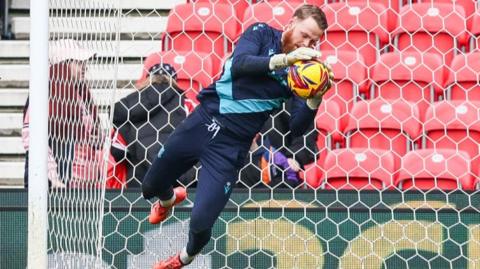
(38, 188)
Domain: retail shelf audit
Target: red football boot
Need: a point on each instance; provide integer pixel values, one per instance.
(170, 263)
(159, 213)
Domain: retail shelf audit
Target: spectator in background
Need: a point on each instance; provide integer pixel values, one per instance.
(145, 119)
(278, 157)
(74, 126)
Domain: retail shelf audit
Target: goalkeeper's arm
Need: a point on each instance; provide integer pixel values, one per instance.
(245, 57)
(301, 116)
(303, 112)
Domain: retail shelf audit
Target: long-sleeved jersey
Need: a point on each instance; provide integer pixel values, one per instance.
(248, 91)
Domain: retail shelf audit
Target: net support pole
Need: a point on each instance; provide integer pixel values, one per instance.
(38, 146)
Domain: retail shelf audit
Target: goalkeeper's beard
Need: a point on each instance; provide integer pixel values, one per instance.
(287, 44)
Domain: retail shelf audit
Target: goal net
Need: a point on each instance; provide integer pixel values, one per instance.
(387, 175)
(83, 56)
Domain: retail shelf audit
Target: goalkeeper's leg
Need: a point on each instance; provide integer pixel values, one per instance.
(211, 198)
(220, 165)
(180, 152)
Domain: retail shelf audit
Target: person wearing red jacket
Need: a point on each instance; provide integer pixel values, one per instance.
(73, 118)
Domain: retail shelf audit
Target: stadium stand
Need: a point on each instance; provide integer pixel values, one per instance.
(394, 5)
(328, 126)
(429, 169)
(238, 5)
(350, 77)
(358, 169)
(402, 125)
(391, 125)
(202, 27)
(454, 125)
(361, 28)
(439, 28)
(474, 31)
(361, 33)
(462, 80)
(469, 6)
(275, 13)
(411, 76)
(140, 36)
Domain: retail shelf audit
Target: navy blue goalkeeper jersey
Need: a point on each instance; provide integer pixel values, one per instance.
(247, 92)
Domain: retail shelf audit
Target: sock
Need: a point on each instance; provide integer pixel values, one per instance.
(169, 202)
(197, 240)
(185, 258)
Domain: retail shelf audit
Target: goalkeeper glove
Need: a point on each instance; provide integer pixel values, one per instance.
(288, 165)
(283, 60)
(315, 101)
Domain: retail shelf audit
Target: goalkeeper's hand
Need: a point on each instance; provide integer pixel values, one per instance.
(283, 60)
(315, 101)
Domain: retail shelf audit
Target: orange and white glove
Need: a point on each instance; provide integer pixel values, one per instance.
(283, 60)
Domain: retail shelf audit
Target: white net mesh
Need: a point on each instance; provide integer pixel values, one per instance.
(387, 175)
(83, 54)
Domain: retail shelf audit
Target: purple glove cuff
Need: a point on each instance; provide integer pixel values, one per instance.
(282, 161)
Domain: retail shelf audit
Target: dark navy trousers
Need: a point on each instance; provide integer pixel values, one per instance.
(199, 138)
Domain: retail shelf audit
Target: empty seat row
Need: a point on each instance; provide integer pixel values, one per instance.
(420, 78)
(373, 169)
(242, 5)
(408, 77)
(412, 76)
(366, 28)
(396, 126)
(416, 77)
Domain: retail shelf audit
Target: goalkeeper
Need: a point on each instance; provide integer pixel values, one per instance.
(231, 112)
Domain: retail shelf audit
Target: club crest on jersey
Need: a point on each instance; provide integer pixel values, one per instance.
(260, 25)
(160, 152)
(227, 187)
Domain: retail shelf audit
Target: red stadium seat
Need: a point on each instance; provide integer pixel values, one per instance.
(454, 125)
(311, 175)
(275, 14)
(194, 70)
(462, 81)
(469, 6)
(311, 2)
(411, 76)
(361, 28)
(202, 27)
(350, 75)
(391, 7)
(329, 136)
(239, 5)
(395, 5)
(474, 29)
(429, 169)
(359, 169)
(437, 28)
(388, 125)
(329, 126)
